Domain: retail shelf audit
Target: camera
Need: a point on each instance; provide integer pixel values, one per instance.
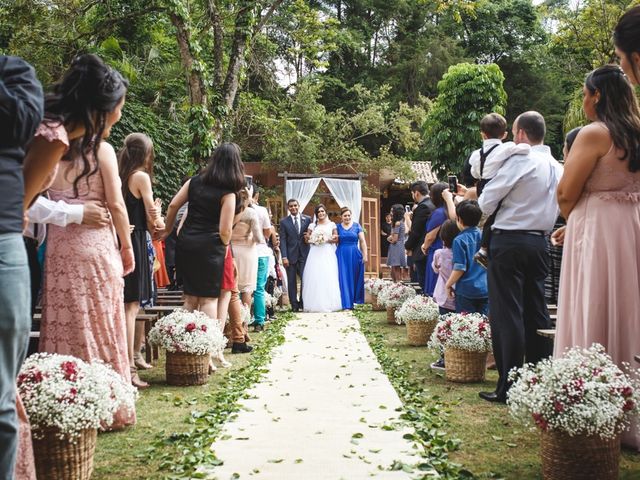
(453, 184)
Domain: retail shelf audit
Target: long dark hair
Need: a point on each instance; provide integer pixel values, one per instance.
(397, 214)
(618, 109)
(436, 193)
(225, 169)
(86, 94)
(135, 154)
(626, 36)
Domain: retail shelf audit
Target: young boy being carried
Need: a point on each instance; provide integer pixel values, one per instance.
(468, 278)
(485, 163)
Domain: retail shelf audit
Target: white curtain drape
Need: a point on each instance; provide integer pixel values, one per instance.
(302, 190)
(348, 193)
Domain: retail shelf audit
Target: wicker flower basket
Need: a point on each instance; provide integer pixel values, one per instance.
(368, 298)
(464, 367)
(578, 458)
(375, 305)
(58, 459)
(419, 333)
(187, 369)
(391, 315)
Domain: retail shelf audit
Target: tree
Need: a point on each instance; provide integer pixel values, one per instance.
(466, 93)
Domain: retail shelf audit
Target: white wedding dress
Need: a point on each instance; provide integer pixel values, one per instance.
(320, 281)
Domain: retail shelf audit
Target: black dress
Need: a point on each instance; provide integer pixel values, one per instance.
(199, 250)
(137, 285)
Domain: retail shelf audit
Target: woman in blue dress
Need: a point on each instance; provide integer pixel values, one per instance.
(445, 209)
(351, 260)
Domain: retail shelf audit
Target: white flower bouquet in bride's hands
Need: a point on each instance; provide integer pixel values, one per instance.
(318, 237)
(69, 395)
(581, 393)
(188, 332)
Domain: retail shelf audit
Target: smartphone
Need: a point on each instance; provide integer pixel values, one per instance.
(249, 180)
(407, 208)
(453, 184)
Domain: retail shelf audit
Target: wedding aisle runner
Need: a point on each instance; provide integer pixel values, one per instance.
(319, 412)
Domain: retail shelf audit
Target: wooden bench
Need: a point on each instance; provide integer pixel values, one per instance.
(169, 301)
(149, 319)
(637, 358)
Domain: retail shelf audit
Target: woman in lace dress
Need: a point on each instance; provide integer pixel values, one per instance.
(599, 195)
(320, 278)
(83, 309)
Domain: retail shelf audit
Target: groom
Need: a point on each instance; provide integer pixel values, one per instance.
(294, 249)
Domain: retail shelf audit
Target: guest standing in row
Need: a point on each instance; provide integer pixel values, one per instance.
(264, 252)
(20, 115)
(135, 163)
(83, 309)
(444, 209)
(600, 275)
(421, 214)
(396, 256)
(206, 232)
(525, 187)
(352, 258)
(245, 237)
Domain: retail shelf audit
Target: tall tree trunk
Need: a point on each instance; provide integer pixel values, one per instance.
(218, 42)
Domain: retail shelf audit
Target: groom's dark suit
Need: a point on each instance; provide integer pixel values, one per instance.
(295, 250)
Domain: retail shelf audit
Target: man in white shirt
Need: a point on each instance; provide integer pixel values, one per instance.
(526, 185)
(259, 307)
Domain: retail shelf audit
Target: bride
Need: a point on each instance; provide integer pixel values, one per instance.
(321, 292)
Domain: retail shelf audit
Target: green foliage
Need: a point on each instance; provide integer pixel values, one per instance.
(467, 92)
(169, 138)
(299, 134)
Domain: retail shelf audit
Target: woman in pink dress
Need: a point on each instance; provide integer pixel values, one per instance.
(83, 309)
(599, 195)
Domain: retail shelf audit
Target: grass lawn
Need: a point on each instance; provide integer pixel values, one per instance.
(160, 408)
(493, 445)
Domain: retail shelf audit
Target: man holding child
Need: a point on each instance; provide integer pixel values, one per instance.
(522, 194)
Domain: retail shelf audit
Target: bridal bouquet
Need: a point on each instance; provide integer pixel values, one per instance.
(70, 395)
(581, 393)
(462, 331)
(418, 309)
(188, 332)
(394, 294)
(318, 237)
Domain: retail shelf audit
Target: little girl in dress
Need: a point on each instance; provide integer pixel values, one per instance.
(443, 265)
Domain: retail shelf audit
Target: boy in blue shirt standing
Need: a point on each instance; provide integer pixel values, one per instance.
(468, 277)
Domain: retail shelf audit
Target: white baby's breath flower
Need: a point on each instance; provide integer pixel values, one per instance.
(465, 331)
(188, 332)
(394, 294)
(418, 309)
(64, 392)
(581, 393)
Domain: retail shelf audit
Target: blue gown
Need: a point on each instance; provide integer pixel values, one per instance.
(438, 217)
(350, 266)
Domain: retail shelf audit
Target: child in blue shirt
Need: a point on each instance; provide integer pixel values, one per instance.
(468, 277)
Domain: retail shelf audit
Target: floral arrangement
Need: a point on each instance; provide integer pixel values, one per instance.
(317, 237)
(187, 332)
(66, 393)
(465, 331)
(581, 393)
(418, 309)
(395, 294)
(375, 285)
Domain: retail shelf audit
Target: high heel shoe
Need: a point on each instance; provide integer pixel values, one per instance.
(212, 367)
(140, 363)
(223, 363)
(136, 381)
